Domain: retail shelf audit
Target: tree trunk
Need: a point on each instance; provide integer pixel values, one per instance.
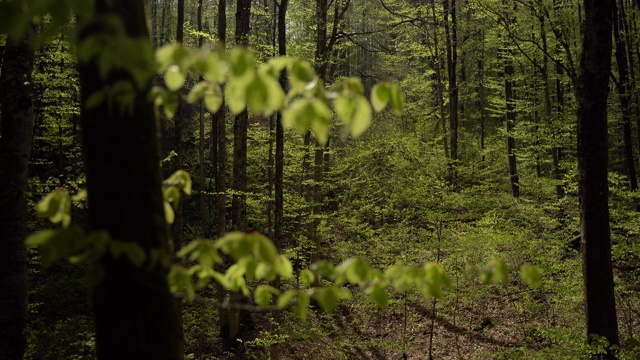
(452, 59)
(219, 159)
(592, 94)
(203, 208)
(624, 93)
(136, 315)
(177, 229)
(510, 121)
(16, 134)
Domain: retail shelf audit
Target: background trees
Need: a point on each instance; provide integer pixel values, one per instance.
(434, 184)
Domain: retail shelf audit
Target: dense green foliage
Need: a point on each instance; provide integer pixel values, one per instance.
(503, 275)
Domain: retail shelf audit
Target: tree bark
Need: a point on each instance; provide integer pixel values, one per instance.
(624, 94)
(452, 60)
(16, 134)
(592, 92)
(136, 315)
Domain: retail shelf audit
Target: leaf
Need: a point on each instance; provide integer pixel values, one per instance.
(236, 95)
(396, 98)
(300, 74)
(286, 298)
(306, 277)
(379, 96)
(265, 250)
(329, 297)
(305, 114)
(302, 305)
(168, 213)
(40, 238)
(531, 275)
(378, 295)
(174, 78)
(213, 98)
(263, 295)
(355, 112)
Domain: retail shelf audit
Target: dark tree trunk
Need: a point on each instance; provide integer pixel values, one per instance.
(219, 159)
(136, 315)
(279, 158)
(203, 208)
(592, 93)
(16, 133)
(624, 94)
(510, 121)
(437, 65)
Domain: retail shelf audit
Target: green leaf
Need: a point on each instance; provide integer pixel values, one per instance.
(40, 238)
(174, 78)
(306, 277)
(531, 275)
(305, 114)
(396, 97)
(213, 98)
(355, 112)
(171, 101)
(56, 206)
(286, 298)
(379, 96)
(264, 249)
(169, 215)
(301, 74)
(236, 96)
(378, 295)
(355, 270)
(329, 297)
(302, 305)
(263, 295)
(243, 65)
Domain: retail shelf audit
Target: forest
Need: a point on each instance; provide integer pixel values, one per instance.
(320, 179)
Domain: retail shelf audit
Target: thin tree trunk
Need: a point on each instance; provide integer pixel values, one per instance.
(219, 168)
(510, 121)
(452, 59)
(624, 93)
(177, 228)
(279, 160)
(136, 315)
(437, 61)
(203, 208)
(16, 135)
(592, 94)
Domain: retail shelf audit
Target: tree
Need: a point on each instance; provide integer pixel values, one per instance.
(136, 315)
(592, 92)
(16, 134)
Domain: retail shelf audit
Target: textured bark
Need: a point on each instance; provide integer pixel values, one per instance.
(136, 315)
(16, 133)
(624, 94)
(592, 93)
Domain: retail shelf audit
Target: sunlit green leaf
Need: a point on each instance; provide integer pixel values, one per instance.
(379, 96)
(306, 277)
(174, 78)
